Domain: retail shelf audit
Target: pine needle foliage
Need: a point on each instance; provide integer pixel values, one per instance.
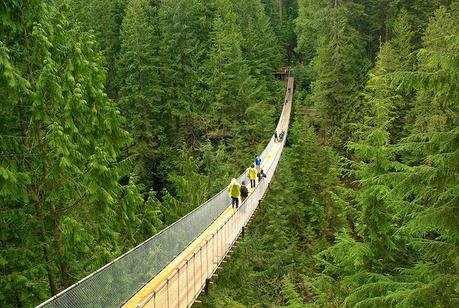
(393, 201)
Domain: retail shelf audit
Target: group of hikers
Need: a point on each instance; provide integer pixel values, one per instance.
(240, 191)
(278, 137)
(236, 190)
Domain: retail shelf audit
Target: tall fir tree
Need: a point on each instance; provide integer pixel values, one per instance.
(404, 61)
(61, 139)
(229, 81)
(103, 18)
(427, 190)
(340, 68)
(261, 50)
(185, 28)
(315, 171)
(140, 90)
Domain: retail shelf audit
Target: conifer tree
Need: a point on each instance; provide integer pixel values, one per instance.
(260, 47)
(339, 67)
(306, 27)
(61, 139)
(140, 90)
(184, 29)
(189, 185)
(262, 53)
(213, 162)
(103, 17)
(423, 193)
(427, 189)
(289, 292)
(229, 81)
(314, 169)
(403, 62)
(373, 157)
(373, 252)
(402, 41)
(282, 13)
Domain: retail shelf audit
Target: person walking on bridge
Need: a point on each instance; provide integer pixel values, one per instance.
(257, 163)
(281, 136)
(244, 191)
(260, 176)
(252, 174)
(234, 191)
(276, 139)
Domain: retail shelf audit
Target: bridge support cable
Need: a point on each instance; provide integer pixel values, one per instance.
(171, 268)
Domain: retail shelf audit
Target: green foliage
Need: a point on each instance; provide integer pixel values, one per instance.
(75, 189)
(314, 170)
(192, 81)
(332, 55)
(213, 163)
(139, 86)
(64, 211)
(104, 19)
(282, 14)
(338, 64)
(270, 261)
(381, 230)
(230, 93)
(404, 252)
(374, 157)
(289, 292)
(184, 28)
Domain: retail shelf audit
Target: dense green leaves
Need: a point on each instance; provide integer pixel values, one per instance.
(140, 86)
(377, 227)
(84, 178)
(61, 140)
(363, 211)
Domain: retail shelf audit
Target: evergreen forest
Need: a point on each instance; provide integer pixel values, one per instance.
(118, 117)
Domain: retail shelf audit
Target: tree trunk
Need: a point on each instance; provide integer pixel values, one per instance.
(39, 212)
(51, 278)
(52, 209)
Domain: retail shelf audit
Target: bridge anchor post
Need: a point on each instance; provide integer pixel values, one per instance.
(206, 286)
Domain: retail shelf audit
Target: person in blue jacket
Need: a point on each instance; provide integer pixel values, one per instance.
(257, 163)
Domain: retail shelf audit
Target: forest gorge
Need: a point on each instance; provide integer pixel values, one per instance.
(118, 117)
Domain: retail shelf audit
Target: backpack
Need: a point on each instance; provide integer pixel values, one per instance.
(244, 191)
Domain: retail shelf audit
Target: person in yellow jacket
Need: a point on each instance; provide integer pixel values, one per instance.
(234, 191)
(252, 174)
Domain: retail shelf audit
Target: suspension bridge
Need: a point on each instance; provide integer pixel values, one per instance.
(173, 267)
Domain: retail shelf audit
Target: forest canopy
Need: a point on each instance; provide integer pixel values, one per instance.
(364, 211)
(118, 117)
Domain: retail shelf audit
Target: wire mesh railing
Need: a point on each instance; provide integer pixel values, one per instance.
(115, 283)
